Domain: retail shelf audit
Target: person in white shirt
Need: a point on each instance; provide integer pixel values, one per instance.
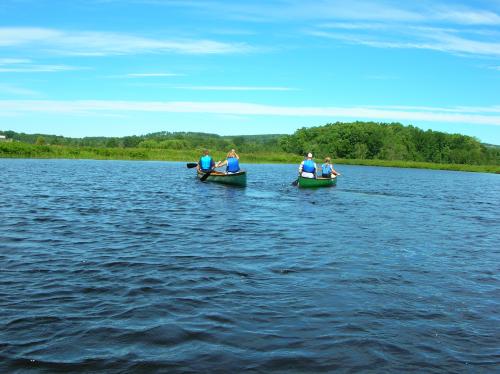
(307, 168)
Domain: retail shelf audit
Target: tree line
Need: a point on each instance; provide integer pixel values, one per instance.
(357, 140)
(389, 141)
(159, 140)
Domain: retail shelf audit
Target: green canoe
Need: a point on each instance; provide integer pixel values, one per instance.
(234, 179)
(316, 182)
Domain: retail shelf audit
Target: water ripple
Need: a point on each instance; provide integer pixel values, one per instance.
(138, 267)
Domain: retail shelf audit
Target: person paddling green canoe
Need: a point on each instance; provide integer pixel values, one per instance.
(206, 163)
(327, 170)
(232, 162)
(308, 168)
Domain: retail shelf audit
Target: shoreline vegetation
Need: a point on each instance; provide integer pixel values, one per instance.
(23, 150)
(357, 143)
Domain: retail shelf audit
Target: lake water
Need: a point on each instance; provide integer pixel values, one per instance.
(115, 266)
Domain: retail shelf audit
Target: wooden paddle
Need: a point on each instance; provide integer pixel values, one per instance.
(190, 165)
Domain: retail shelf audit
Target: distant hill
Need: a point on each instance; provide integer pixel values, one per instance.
(490, 145)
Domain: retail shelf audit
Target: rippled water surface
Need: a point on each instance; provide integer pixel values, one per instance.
(136, 266)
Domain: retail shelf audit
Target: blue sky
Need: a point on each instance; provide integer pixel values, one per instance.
(115, 68)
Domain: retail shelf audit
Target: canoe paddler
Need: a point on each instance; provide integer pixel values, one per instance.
(206, 162)
(232, 162)
(327, 170)
(307, 168)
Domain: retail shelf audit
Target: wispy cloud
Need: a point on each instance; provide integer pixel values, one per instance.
(464, 15)
(294, 10)
(354, 10)
(13, 36)
(352, 26)
(13, 90)
(456, 109)
(147, 75)
(10, 61)
(95, 43)
(437, 25)
(18, 65)
(443, 27)
(463, 115)
(405, 37)
(236, 88)
(37, 69)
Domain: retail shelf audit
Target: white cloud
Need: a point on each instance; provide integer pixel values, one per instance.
(146, 75)
(236, 88)
(22, 65)
(353, 26)
(443, 40)
(388, 21)
(12, 36)
(466, 115)
(37, 69)
(299, 10)
(466, 16)
(17, 91)
(353, 10)
(10, 61)
(92, 43)
(450, 43)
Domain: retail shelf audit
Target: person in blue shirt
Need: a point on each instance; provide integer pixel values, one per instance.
(206, 162)
(307, 168)
(232, 162)
(327, 170)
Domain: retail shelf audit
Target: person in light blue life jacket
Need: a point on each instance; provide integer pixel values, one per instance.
(327, 170)
(232, 162)
(307, 168)
(206, 162)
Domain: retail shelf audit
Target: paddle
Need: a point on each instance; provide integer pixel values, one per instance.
(295, 182)
(190, 165)
(206, 175)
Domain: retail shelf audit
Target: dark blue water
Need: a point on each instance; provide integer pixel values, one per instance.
(136, 266)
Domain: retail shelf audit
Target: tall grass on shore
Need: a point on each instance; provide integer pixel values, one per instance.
(25, 150)
(421, 165)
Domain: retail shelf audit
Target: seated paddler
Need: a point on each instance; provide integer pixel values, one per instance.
(206, 162)
(232, 162)
(307, 168)
(327, 170)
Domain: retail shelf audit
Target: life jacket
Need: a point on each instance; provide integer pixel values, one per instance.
(326, 169)
(206, 162)
(233, 165)
(308, 166)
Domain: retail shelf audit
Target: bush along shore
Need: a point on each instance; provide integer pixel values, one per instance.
(360, 143)
(24, 150)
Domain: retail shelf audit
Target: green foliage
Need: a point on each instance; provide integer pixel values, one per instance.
(40, 140)
(389, 141)
(162, 140)
(367, 143)
(24, 150)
